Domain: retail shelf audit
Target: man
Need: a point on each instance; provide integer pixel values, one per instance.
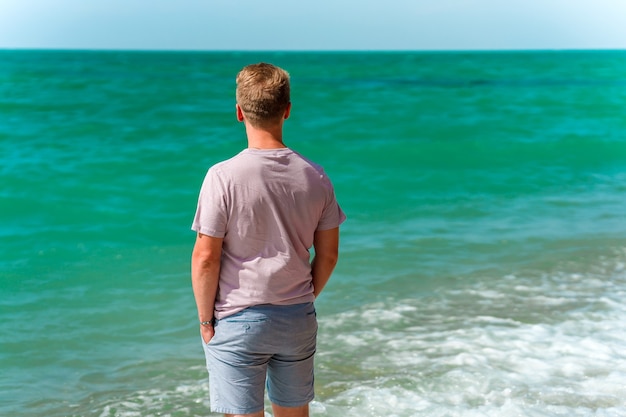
(258, 215)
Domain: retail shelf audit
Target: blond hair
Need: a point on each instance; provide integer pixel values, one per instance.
(263, 93)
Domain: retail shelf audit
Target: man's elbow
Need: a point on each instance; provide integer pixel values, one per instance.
(206, 253)
(329, 258)
(205, 258)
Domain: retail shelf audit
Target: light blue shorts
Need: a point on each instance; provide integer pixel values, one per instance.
(277, 342)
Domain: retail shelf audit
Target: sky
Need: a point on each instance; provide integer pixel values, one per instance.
(313, 25)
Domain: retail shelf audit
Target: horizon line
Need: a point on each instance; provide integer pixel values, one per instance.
(359, 50)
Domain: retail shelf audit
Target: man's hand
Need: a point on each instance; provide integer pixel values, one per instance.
(207, 333)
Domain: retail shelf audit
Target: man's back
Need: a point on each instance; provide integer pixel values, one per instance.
(270, 203)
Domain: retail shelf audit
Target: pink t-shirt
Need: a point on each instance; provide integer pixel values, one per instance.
(266, 204)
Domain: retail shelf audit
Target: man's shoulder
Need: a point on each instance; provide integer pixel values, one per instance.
(226, 164)
(305, 160)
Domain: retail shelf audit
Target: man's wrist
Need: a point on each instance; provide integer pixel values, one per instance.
(208, 323)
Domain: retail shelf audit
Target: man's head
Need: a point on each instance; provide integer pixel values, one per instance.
(263, 94)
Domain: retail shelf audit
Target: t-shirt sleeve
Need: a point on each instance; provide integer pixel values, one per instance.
(211, 214)
(332, 216)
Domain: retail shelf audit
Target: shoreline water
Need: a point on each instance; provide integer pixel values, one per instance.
(482, 267)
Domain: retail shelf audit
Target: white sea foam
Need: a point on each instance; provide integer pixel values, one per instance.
(535, 346)
(183, 400)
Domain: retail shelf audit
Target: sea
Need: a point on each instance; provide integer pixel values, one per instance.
(482, 268)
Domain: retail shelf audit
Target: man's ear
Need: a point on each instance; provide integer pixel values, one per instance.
(288, 110)
(239, 113)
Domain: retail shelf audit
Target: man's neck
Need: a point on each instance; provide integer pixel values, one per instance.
(265, 138)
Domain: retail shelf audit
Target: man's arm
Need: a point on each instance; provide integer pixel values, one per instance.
(205, 276)
(326, 244)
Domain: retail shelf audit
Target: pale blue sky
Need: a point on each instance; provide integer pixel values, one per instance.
(313, 25)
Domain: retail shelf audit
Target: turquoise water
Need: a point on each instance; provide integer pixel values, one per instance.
(483, 265)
